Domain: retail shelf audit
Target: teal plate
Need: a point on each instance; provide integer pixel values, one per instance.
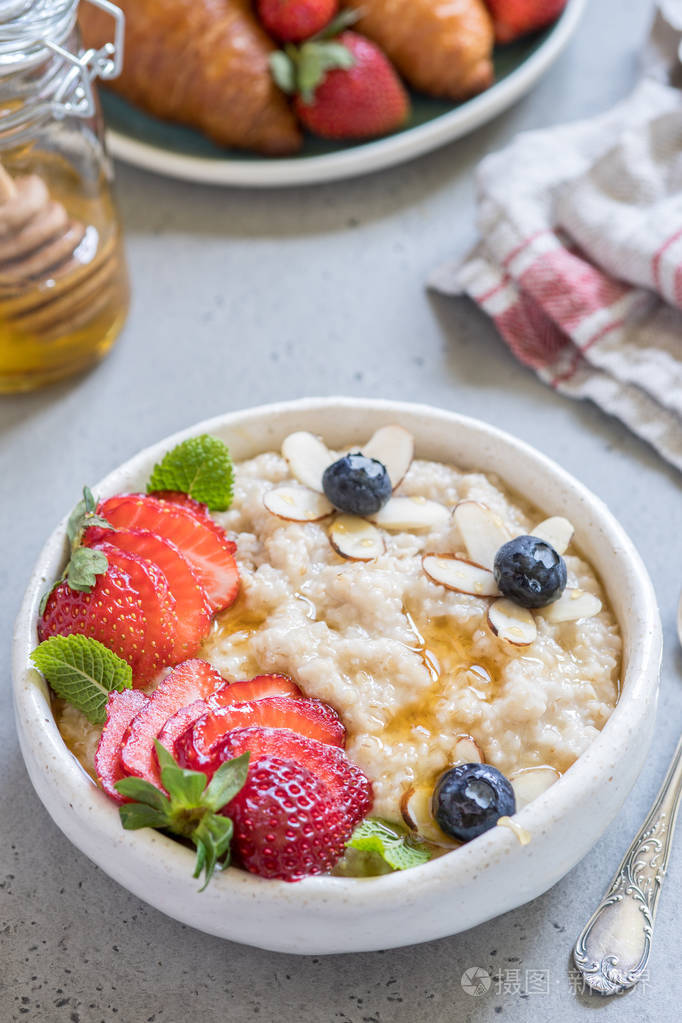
(176, 151)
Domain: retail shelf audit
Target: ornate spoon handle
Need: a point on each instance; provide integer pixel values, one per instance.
(613, 950)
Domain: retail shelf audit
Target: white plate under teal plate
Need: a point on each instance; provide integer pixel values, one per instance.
(178, 152)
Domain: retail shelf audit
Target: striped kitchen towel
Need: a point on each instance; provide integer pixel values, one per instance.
(580, 259)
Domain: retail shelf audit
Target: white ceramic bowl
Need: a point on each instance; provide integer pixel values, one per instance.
(490, 875)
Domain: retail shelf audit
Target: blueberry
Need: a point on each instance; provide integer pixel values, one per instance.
(530, 572)
(357, 484)
(470, 798)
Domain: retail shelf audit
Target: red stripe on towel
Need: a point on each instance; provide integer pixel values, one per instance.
(533, 338)
(569, 288)
(658, 259)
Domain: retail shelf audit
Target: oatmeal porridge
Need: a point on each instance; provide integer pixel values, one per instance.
(409, 665)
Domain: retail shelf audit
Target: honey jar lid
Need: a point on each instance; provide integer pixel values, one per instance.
(34, 32)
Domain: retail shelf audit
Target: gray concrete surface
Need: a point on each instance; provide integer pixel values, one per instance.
(243, 297)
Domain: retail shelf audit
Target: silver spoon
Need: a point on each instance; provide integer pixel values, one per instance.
(612, 952)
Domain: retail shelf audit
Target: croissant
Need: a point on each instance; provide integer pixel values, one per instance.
(441, 47)
(203, 63)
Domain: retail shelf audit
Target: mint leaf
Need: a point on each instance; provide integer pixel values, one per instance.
(200, 467)
(83, 672)
(84, 567)
(389, 841)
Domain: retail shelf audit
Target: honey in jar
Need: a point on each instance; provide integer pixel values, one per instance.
(63, 280)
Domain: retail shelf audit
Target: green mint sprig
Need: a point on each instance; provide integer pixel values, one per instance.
(200, 467)
(191, 808)
(84, 564)
(389, 841)
(83, 672)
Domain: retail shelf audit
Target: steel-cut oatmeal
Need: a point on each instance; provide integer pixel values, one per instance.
(409, 665)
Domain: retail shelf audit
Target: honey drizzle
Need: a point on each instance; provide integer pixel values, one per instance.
(444, 653)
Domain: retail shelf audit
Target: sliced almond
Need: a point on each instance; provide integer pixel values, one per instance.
(520, 833)
(415, 807)
(530, 782)
(483, 531)
(308, 457)
(556, 531)
(410, 513)
(511, 622)
(393, 446)
(462, 576)
(571, 606)
(467, 751)
(297, 504)
(356, 538)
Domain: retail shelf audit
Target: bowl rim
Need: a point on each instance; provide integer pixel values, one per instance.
(89, 807)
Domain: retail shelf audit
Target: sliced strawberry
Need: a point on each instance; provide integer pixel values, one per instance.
(313, 718)
(189, 681)
(210, 555)
(185, 501)
(112, 613)
(158, 606)
(196, 507)
(257, 688)
(350, 788)
(121, 709)
(191, 604)
(179, 722)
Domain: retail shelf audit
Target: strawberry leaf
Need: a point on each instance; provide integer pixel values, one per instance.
(301, 69)
(84, 564)
(143, 792)
(212, 837)
(343, 20)
(84, 567)
(139, 815)
(200, 467)
(283, 70)
(163, 756)
(314, 60)
(184, 787)
(226, 782)
(83, 672)
(189, 810)
(389, 842)
(82, 516)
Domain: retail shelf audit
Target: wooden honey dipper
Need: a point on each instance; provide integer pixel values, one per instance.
(39, 242)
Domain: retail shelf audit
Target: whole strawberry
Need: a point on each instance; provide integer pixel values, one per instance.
(345, 88)
(110, 611)
(287, 824)
(515, 18)
(292, 21)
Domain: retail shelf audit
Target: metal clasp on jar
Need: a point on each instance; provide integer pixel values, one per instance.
(75, 96)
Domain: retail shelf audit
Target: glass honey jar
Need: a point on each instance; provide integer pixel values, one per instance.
(63, 280)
